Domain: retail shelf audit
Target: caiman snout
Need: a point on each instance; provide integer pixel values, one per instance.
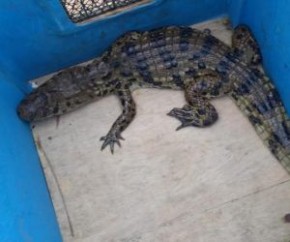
(24, 112)
(32, 107)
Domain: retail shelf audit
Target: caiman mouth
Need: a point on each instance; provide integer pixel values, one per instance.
(33, 107)
(26, 112)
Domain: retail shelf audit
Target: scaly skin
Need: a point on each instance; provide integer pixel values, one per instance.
(179, 58)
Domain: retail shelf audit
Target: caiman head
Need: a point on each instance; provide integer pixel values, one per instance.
(66, 91)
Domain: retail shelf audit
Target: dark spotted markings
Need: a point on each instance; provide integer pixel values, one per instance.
(177, 80)
(192, 52)
(183, 45)
(126, 73)
(255, 120)
(195, 56)
(232, 56)
(208, 43)
(191, 72)
(185, 35)
(129, 49)
(242, 90)
(223, 66)
(221, 71)
(201, 65)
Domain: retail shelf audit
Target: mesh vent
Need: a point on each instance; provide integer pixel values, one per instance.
(80, 10)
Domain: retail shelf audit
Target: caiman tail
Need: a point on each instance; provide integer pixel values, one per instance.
(256, 96)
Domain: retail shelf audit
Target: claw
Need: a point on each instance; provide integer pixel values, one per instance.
(179, 127)
(171, 113)
(110, 139)
(112, 148)
(183, 125)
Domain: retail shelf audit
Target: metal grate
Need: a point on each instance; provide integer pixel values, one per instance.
(80, 10)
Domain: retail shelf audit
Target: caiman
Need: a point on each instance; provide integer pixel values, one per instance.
(179, 58)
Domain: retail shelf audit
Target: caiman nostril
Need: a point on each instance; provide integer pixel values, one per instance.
(25, 110)
(21, 112)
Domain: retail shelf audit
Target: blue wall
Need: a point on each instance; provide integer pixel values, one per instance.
(37, 38)
(25, 207)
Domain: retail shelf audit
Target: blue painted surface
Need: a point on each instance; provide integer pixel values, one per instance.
(37, 38)
(25, 207)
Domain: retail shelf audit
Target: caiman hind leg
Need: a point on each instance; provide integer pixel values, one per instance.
(122, 122)
(246, 46)
(199, 111)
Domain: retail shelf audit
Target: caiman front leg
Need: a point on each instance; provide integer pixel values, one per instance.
(199, 111)
(122, 122)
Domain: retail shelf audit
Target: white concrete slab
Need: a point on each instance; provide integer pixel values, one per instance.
(213, 184)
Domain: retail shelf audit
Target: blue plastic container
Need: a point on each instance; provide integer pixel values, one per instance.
(38, 38)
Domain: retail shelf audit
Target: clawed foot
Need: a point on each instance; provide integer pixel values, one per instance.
(110, 139)
(190, 116)
(184, 115)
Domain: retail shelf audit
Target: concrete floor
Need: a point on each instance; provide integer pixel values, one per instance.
(215, 184)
